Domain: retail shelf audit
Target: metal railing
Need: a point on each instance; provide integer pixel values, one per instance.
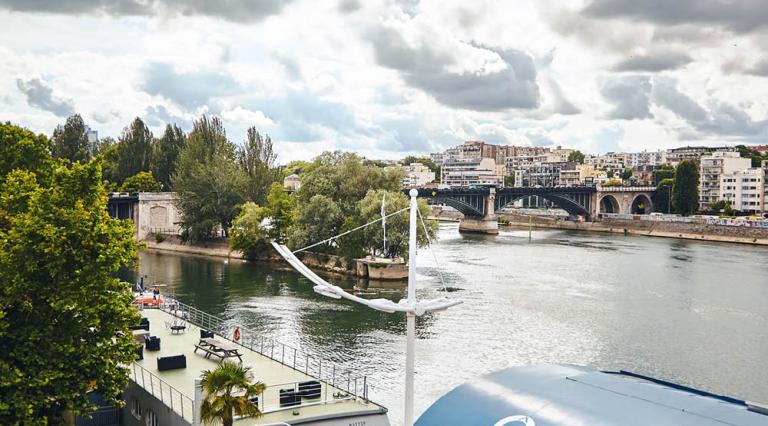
(324, 371)
(167, 394)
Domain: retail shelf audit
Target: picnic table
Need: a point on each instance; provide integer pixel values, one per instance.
(213, 346)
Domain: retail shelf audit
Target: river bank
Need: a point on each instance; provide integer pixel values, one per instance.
(688, 231)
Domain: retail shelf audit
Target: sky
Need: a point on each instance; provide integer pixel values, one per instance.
(389, 78)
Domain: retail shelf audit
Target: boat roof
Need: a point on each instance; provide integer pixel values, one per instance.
(548, 395)
(177, 389)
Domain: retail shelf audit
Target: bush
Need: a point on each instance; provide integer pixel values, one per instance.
(159, 238)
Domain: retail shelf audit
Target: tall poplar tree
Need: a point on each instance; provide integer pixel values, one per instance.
(134, 152)
(166, 151)
(70, 141)
(685, 191)
(257, 159)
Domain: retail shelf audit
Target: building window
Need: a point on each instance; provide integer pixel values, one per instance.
(151, 418)
(136, 408)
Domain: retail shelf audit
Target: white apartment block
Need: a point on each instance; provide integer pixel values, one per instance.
(745, 189)
(476, 171)
(611, 162)
(711, 168)
(676, 155)
(417, 175)
(645, 158)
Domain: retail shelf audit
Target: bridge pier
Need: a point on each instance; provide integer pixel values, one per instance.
(482, 225)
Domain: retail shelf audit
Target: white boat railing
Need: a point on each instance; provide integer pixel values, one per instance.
(173, 398)
(326, 372)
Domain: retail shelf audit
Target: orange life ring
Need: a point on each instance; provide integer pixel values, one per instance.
(237, 334)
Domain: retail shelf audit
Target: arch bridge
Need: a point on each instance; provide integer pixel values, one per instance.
(480, 205)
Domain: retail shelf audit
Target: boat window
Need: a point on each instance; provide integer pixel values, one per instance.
(150, 419)
(136, 408)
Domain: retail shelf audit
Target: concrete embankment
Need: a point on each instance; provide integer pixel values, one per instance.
(689, 231)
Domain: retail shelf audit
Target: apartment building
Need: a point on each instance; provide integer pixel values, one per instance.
(711, 168)
(476, 171)
(745, 189)
(417, 175)
(610, 162)
(645, 158)
(676, 155)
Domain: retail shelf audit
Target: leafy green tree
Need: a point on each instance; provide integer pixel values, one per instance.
(257, 159)
(134, 152)
(370, 240)
(70, 141)
(425, 161)
(281, 209)
(627, 173)
(345, 179)
(209, 184)
(64, 318)
(753, 155)
(610, 174)
(22, 149)
(665, 171)
(685, 191)
(227, 392)
(613, 182)
(318, 219)
(248, 234)
(141, 182)
(576, 157)
(509, 181)
(165, 152)
(295, 167)
(722, 206)
(663, 196)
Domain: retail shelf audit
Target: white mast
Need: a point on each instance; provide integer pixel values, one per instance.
(384, 222)
(410, 348)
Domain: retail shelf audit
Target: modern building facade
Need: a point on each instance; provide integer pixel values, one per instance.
(417, 175)
(745, 189)
(475, 171)
(711, 167)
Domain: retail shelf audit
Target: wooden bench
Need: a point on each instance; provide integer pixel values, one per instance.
(218, 348)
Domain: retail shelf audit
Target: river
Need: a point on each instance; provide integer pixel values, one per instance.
(691, 312)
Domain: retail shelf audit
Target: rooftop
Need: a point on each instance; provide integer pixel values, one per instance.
(277, 366)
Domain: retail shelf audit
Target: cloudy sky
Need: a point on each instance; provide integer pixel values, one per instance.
(387, 78)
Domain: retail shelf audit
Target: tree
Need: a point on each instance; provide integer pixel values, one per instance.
(22, 149)
(64, 317)
(610, 174)
(318, 219)
(576, 157)
(141, 182)
(228, 391)
(248, 234)
(295, 167)
(685, 191)
(165, 152)
(209, 184)
(753, 155)
(509, 181)
(665, 171)
(257, 159)
(663, 195)
(134, 152)
(281, 210)
(627, 173)
(722, 206)
(370, 240)
(70, 141)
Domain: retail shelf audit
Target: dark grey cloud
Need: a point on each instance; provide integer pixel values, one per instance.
(39, 95)
(720, 118)
(654, 62)
(349, 6)
(187, 89)
(231, 10)
(759, 68)
(423, 67)
(735, 15)
(630, 97)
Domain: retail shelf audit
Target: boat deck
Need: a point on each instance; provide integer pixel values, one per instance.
(176, 387)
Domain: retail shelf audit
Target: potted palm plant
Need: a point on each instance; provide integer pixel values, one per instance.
(228, 391)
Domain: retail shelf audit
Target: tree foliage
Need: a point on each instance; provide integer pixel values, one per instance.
(141, 182)
(685, 191)
(22, 149)
(165, 152)
(247, 234)
(756, 157)
(576, 157)
(63, 316)
(662, 196)
(134, 152)
(281, 208)
(209, 184)
(370, 240)
(70, 141)
(627, 173)
(722, 206)
(664, 171)
(257, 159)
(227, 392)
(320, 218)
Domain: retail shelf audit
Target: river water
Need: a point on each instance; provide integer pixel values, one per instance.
(691, 312)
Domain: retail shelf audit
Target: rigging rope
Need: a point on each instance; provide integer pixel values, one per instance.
(350, 231)
(434, 255)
